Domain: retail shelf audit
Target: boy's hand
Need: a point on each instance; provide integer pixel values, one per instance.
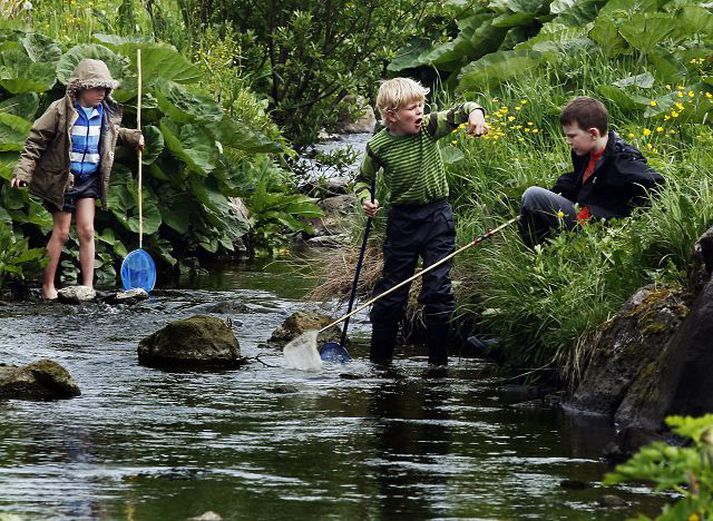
(370, 208)
(17, 183)
(141, 145)
(476, 123)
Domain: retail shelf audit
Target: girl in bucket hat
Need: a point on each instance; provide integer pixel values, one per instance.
(67, 161)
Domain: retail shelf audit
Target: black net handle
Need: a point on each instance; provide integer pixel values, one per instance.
(360, 262)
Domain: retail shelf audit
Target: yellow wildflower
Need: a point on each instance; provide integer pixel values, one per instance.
(674, 114)
(649, 146)
(647, 132)
(523, 102)
(659, 129)
(535, 130)
(679, 87)
(691, 94)
(518, 107)
(679, 105)
(709, 95)
(560, 214)
(527, 130)
(653, 103)
(679, 94)
(454, 142)
(511, 118)
(530, 124)
(631, 135)
(668, 87)
(496, 100)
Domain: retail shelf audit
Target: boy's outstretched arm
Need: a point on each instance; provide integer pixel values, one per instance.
(132, 137)
(444, 122)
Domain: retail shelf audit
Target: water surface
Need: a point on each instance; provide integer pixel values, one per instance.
(352, 442)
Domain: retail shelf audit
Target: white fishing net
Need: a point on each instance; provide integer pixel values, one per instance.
(301, 352)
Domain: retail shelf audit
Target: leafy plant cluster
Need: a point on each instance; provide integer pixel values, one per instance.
(200, 154)
(686, 471)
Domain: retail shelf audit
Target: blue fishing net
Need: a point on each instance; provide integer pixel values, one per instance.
(138, 271)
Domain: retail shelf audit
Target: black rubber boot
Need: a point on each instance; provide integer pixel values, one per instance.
(383, 340)
(437, 341)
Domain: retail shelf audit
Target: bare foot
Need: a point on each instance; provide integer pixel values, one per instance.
(49, 293)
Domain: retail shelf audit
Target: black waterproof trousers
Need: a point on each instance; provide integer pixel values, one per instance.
(425, 231)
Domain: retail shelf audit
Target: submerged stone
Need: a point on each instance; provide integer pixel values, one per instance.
(40, 380)
(193, 343)
(302, 321)
(130, 296)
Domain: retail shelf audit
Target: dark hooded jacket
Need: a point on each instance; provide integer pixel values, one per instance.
(45, 159)
(621, 181)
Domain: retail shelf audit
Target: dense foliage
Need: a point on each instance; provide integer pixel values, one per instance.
(686, 471)
(204, 148)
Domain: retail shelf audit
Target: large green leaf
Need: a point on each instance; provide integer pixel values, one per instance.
(556, 37)
(496, 67)
(616, 7)
(161, 62)
(408, 57)
(644, 81)
(621, 98)
(191, 144)
(19, 74)
(41, 48)
(23, 105)
(643, 32)
(176, 210)
(667, 67)
(487, 38)
(184, 104)
(696, 20)
(576, 13)
(118, 65)
(8, 160)
(13, 132)
(154, 144)
(237, 135)
(606, 34)
(123, 202)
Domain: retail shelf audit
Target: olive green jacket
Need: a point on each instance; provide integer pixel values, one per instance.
(44, 162)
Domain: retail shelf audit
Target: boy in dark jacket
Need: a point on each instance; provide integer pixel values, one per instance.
(67, 161)
(420, 221)
(609, 180)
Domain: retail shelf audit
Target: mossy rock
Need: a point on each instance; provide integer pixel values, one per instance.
(197, 342)
(40, 380)
(302, 321)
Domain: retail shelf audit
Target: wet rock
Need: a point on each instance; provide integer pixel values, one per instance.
(574, 484)
(196, 342)
(628, 441)
(338, 214)
(207, 516)
(222, 307)
(40, 380)
(128, 297)
(302, 321)
(626, 348)
(76, 294)
(356, 115)
(702, 261)
(678, 381)
(610, 500)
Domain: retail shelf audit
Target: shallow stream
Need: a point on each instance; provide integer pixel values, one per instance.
(352, 442)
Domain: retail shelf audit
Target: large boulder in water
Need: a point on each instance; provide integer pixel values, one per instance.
(193, 343)
(40, 380)
(303, 321)
(626, 347)
(656, 359)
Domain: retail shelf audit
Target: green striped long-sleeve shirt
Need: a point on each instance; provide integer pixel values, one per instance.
(411, 165)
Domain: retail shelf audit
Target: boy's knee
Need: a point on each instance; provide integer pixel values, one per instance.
(533, 196)
(85, 233)
(60, 235)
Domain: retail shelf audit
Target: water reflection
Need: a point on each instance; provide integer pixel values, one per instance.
(353, 442)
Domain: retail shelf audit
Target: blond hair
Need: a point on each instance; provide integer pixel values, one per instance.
(397, 92)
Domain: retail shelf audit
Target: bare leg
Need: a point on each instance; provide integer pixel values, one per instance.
(86, 209)
(60, 234)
